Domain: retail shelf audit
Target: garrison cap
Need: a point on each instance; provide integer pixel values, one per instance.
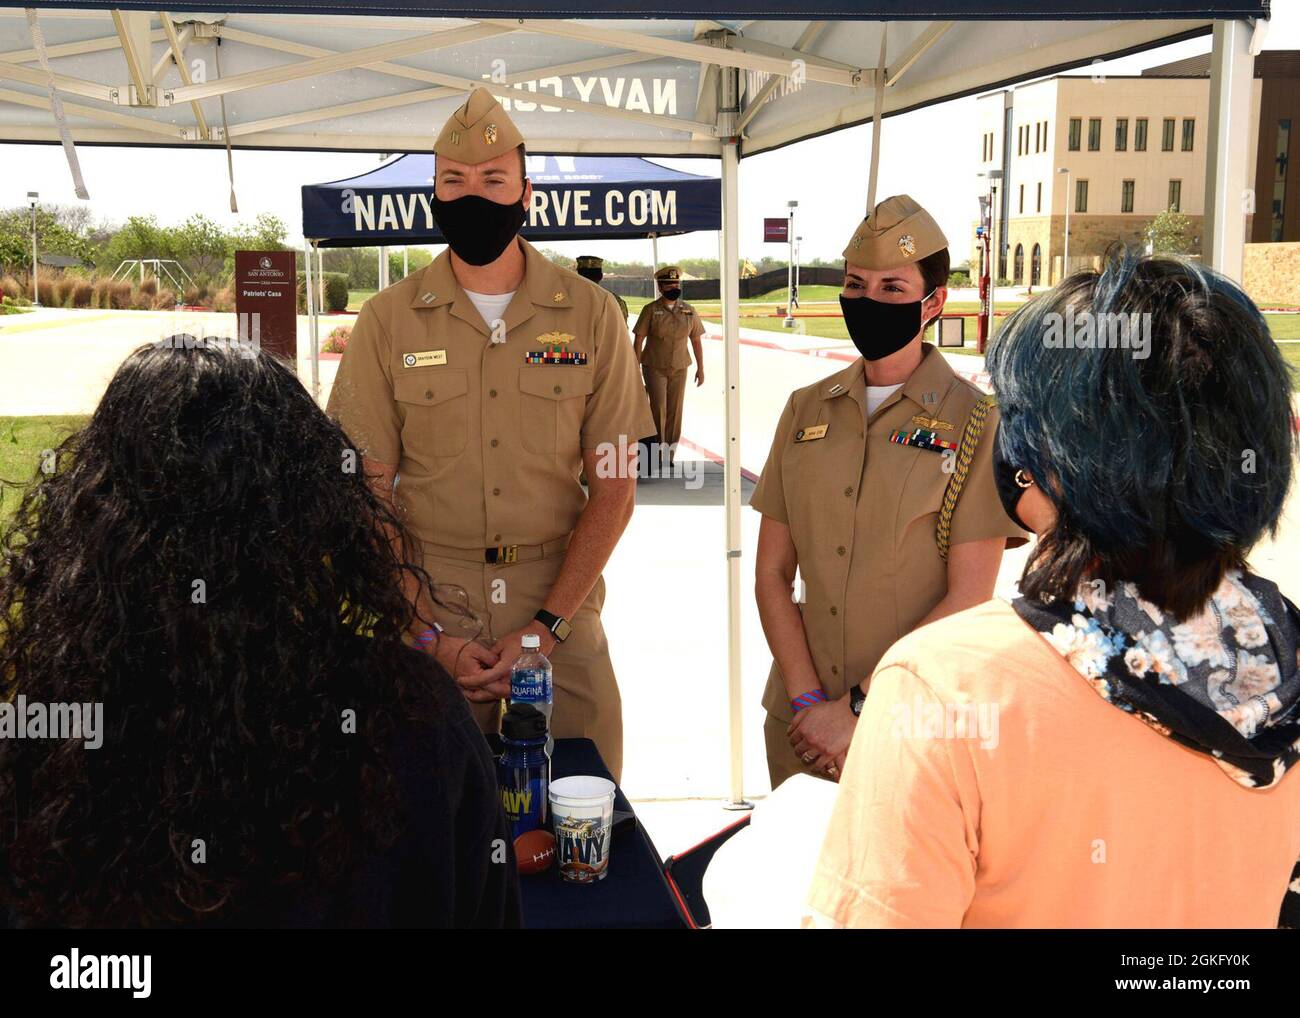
(669, 273)
(590, 262)
(480, 130)
(897, 232)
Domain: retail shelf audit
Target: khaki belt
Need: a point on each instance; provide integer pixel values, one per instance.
(501, 554)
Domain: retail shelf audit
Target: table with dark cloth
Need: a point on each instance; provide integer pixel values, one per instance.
(634, 893)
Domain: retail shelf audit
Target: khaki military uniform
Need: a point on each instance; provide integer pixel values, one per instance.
(666, 360)
(862, 512)
(622, 305)
(488, 446)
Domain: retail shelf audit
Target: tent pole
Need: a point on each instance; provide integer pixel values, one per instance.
(728, 278)
(310, 250)
(654, 255)
(878, 87)
(320, 277)
(1232, 67)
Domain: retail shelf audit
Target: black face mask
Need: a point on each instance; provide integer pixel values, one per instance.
(477, 228)
(595, 275)
(1009, 492)
(672, 294)
(878, 328)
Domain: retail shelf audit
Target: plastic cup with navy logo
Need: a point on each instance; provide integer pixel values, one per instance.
(582, 812)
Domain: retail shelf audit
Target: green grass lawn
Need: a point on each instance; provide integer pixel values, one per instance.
(22, 440)
(358, 297)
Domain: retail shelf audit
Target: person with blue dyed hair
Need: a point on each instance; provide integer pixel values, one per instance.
(1114, 747)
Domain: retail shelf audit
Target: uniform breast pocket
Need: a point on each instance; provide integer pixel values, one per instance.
(435, 407)
(551, 404)
(925, 479)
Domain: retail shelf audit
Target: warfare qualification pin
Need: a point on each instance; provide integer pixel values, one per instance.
(490, 134)
(907, 245)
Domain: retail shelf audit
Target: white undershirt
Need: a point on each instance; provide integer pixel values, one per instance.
(877, 394)
(491, 306)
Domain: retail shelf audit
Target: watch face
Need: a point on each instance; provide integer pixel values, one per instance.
(562, 630)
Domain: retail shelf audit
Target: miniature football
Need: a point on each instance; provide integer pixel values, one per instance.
(535, 851)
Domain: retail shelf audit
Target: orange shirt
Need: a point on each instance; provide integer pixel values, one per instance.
(1058, 810)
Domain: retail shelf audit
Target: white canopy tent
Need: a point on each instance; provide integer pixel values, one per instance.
(725, 80)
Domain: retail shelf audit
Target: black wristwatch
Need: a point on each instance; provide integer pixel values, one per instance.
(856, 699)
(559, 627)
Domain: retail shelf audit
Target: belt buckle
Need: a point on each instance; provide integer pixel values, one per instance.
(502, 553)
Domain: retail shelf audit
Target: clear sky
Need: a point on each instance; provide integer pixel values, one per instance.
(929, 154)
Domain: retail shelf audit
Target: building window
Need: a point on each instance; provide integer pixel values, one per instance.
(1140, 135)
(1279, 179)
(1040, 197)
(1080, 196)
(1126, 196)
(1189, 134)
(1036, 266)
(1175, 196)
(1019, 265)
(1167, 139)
(1076, 126)
(1094, 134)
(1121, 134)
(1022, 199)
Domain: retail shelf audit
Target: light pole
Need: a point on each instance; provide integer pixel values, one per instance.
(32, 196)
(794, 297)
(989, 278)
(1065, 258)
(789, 236)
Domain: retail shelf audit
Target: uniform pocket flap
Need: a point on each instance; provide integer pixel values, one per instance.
(555, 382)
(429, 388)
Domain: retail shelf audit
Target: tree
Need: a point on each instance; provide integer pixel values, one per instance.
(138, 237)
(1170, 233)
(53, 236)
(201, 246)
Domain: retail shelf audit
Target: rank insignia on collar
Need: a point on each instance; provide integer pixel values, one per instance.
(836, 389)
(929, 397)
(557, 296)
(922, 438)
(931, 423)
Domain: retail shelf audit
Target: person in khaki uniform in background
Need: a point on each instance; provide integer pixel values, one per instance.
(593, 268)
(664, 326)
(484, 386)
(852, 493)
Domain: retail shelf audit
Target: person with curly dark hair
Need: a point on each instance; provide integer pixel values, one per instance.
(206, 565)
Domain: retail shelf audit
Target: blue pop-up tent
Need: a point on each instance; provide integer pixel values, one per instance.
(574, 198)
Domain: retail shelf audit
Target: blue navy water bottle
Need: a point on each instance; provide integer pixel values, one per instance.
(524, 769)
(530, 682)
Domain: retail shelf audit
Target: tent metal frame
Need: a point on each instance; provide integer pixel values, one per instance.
(722, 54)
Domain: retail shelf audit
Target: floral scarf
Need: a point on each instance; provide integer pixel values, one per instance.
(1225, 682)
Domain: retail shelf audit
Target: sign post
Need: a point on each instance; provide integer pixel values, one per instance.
(266, 301)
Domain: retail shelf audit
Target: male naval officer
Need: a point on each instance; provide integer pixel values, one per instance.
(485, 385)
(664, 327)
(593, 268)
